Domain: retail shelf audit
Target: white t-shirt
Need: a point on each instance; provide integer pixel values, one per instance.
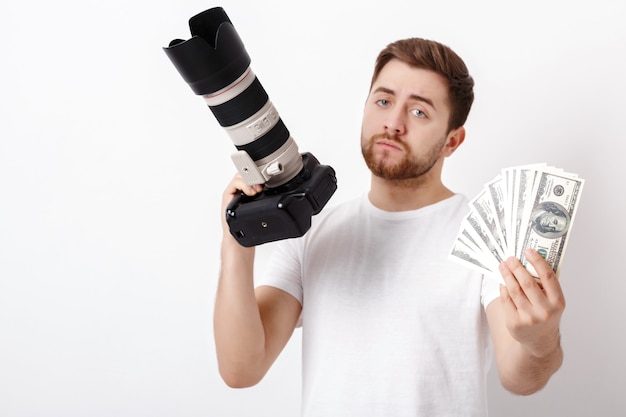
(391, 327)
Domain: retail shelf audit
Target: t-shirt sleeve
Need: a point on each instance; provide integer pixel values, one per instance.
(490, 291)
(284, 268)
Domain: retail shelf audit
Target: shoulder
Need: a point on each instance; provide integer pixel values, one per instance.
(339, 212)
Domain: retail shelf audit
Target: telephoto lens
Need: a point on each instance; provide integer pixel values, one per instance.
(216, 65)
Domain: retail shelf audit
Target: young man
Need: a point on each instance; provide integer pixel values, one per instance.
(390, 326)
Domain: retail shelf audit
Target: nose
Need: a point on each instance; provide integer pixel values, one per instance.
(394, 124)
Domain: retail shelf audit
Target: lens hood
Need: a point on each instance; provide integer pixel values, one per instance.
(214, 57)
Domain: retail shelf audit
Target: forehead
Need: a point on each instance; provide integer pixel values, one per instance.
(405, 80)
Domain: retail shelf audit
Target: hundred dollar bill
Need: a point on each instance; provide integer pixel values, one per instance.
(510, 178)
(520, 184)
(524, 185)
(466, 238)
(496, 192)
(473, 250)
(464, 255)
(549, 217)
(482, 236)
(482, 206)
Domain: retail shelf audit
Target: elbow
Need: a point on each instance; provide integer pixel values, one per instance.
(237, 382)
(234, 378)
(525, 389)
(239, 370)
(525, 385)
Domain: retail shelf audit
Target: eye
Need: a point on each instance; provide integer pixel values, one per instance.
(383, 102)
(418, 113)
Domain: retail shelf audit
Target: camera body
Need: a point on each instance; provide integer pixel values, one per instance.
(282, 212)
(216, 65)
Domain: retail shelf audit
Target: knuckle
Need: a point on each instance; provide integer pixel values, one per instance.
(515, 290)
(543, 316)
(544, 269)
(527, 284)
(548, 273)
(560, 304)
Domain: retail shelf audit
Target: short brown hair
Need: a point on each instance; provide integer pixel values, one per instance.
(439, 58)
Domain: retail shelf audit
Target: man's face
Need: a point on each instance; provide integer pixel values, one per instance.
(552, 222)
(405, 122)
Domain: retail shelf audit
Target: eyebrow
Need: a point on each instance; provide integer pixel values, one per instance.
(415, 97)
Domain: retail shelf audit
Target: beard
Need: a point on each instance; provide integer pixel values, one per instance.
(410, 170)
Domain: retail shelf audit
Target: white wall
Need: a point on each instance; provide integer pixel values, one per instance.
(111, 172)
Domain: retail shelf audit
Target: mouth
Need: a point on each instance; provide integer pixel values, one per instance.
(389, 144)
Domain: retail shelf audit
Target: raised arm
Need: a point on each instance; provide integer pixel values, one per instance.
(524, 324)
(251, 326)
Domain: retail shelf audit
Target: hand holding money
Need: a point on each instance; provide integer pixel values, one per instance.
(530, 206)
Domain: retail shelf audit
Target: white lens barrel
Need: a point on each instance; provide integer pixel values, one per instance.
(254, 127)
(231, 91)
(274, 169)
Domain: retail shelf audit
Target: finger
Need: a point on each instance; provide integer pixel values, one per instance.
(237, 184)
(531, 288)
(522, 286)
(513, 291)
(549, 280)
(507, 302)
(251, 189)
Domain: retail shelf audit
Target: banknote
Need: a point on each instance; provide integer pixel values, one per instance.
(467, 257)
(528, 206)
(523, 178)
(482, 235)
(549, 217)
(495, 192)
(487, 218)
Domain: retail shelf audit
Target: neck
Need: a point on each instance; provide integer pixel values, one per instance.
(407, 194)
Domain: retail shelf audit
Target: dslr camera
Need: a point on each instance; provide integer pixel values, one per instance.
(215, 64)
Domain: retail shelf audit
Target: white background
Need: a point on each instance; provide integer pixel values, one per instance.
(111, 173)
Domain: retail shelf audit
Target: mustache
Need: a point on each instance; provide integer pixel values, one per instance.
(391, 138)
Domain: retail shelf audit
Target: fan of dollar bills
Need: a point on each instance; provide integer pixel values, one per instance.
(529, 206)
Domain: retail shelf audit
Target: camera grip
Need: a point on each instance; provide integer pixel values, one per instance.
(276, 214)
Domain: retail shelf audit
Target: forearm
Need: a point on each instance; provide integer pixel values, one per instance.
(524, 372)
(238, 329)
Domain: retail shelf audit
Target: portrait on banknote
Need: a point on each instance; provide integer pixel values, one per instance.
(550, 220)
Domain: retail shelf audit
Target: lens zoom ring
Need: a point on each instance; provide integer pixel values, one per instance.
(242, 106)
(268, 143)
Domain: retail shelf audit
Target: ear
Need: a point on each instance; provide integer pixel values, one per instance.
(453, 141)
